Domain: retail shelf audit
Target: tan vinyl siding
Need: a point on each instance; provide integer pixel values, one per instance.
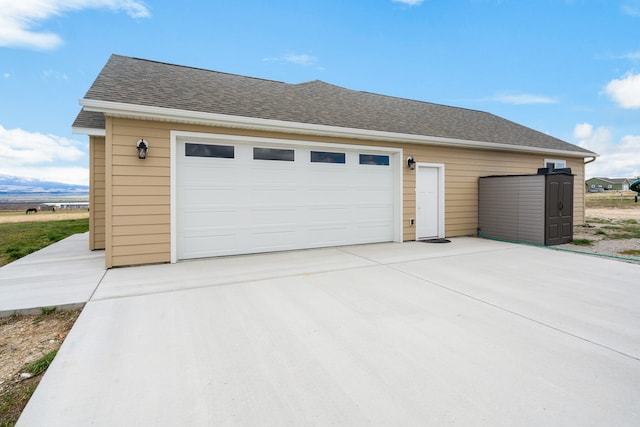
(139, 200)
(577, 168)
(138, 191)
(96, 193)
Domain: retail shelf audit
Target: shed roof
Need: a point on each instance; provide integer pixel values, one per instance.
(141, 82)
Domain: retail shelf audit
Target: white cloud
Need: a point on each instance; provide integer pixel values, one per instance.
(634, 56)
(6, 75)
(19, 147)
(599, 140)
(54, 75)
(409, 2)
(631, 9)
(18, 18)
(299, 59)
(522, 99)
(625, 91)
(617, 160)
(583, 131)
(36, 155)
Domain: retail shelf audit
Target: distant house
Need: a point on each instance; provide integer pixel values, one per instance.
(240, 165)
(598, 184)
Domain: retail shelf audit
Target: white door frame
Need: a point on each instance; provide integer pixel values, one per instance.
(440, 168)
(396, 155)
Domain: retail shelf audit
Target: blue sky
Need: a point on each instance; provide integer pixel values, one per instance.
(570, 68)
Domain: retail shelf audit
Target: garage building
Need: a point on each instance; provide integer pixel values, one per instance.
(236, 165)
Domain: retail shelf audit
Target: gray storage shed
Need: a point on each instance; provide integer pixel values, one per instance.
(527, 208)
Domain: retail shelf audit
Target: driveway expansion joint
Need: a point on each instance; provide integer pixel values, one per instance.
(515, 313)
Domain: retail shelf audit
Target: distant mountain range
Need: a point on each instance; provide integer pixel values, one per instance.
(12, 186)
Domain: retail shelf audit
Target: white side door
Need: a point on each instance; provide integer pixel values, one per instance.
(429, 201)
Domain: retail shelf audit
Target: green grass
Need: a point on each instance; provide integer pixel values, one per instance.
(598, 220)
(13, 401)
(635, 252)
(21, 239)
(48, 310)
(617, 229)
(582, 242)
(40, 365)
(626, 230)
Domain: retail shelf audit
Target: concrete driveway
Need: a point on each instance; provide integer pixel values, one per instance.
(471, 332)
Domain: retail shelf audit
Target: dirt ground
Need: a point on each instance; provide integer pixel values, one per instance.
(6, 218)
(612, 248)
(25, 339)
(613, 213)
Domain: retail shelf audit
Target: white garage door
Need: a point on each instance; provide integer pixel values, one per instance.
(238, 197)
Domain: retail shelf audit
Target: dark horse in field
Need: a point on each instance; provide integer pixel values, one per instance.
(31, 210)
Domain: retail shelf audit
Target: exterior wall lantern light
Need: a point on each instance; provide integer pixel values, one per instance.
(142, 147)
(411, 163)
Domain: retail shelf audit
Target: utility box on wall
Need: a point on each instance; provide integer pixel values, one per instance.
(527, 208)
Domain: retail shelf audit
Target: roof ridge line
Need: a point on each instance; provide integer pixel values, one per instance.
(198, 68)
(393, 96)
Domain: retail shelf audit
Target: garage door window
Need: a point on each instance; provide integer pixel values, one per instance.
(273, 154)
(374, 159)
(208, 150)
(326, 157)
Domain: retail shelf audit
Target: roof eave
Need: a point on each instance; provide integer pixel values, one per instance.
(136, 111)
(88, 131)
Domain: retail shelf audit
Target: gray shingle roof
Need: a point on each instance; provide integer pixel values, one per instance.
(89, 120)
(149, 83)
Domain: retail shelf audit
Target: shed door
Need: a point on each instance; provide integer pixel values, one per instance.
(238, 198)
(559, 207)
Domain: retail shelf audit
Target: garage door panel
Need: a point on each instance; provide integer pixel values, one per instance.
(205, 217)
(193, 172)
(268, 195)
(371, 186)
(318, 214)
(374, 210)
(242, 205)
(328, 197)
(373, 180)
(273, 176)
(326, 177)
(272, 239)
(322, 239)
(368, 192)
(267, 217)
(373, 230)
(214, 196)
(205, 232)
(373, 223)
(198, 242)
